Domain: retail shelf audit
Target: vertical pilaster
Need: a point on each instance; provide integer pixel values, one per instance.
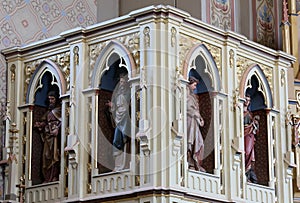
(78, 119)
(232, 136)
(280, 95)
(13, 139)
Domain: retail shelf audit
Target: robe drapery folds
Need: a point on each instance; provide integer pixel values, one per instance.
(250, 130)
(194, 122)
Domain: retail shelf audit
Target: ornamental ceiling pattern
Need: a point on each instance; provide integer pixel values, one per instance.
(26, 21)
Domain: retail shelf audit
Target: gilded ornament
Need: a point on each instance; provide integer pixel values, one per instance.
(186, 43)
(62, 60)
(236, 97)
(66, 191)
(131, 42)
(268, 71)
(89, 187)
(13, 72)
(24, 139)
(231, 58)
(89, 167)
(138, 95)
(23, 159)
(242, 65)
(95, 50)
(216, 53)
(138, 115)
(66, 170)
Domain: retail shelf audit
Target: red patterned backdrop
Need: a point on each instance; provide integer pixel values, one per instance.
(261, 150)
(37, 147)
(106, 134)
(207, 131)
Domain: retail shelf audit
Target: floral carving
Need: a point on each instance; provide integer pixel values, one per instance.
(131, 42)
(243, 63)
(62, 60)
(231, 58)
(186, 43)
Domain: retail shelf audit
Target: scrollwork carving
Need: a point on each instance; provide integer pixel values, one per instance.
(216, 53)
(186, 43)
(94, 52)
(243, 63)
(62, 60)
(131, 42)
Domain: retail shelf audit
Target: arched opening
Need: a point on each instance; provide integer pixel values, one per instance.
(205, 103)
(256, 136)
(114, 116)
(46, 129)
(200, 64)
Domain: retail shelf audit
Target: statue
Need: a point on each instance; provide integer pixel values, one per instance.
(119, 108)
(251, 128)
(194, 122)
(50, 129)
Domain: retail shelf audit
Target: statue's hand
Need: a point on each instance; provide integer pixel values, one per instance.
(200, 121)
(54, 131)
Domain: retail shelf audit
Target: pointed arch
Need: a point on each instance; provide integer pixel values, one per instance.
(210, 67)
(200, 64)
(255, 85)
(102, 63)
(35, 82)
(263, 88)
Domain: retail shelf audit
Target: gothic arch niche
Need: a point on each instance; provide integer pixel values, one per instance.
(46, 81)
(200, 64)
(115, 65)
(255, 85)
